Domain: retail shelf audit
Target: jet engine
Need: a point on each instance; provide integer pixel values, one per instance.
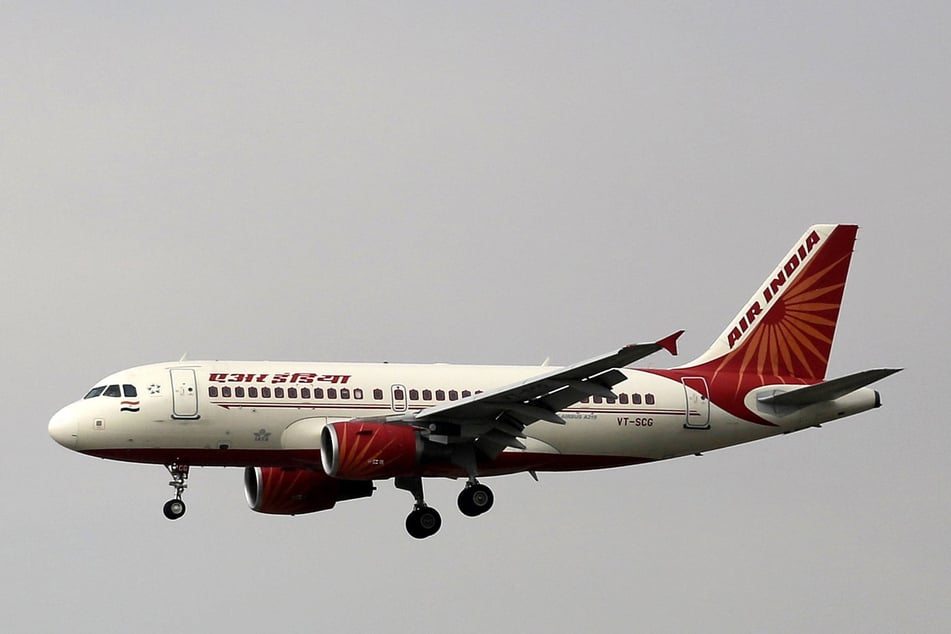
(369, 451)
(296, 491)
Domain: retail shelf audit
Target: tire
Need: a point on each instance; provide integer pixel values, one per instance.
(174, 509)
(475, 500)
(423, 522)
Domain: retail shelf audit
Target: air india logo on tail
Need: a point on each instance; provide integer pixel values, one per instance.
(773, 288)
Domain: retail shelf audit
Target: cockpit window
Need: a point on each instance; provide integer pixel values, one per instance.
(112, 390)
(96, 391)
(129, 390)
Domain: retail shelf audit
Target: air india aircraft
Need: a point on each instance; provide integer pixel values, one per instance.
(312, 434)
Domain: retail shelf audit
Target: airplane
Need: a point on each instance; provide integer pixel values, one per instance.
(310, 435)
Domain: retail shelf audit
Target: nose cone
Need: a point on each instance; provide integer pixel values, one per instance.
(64, 428)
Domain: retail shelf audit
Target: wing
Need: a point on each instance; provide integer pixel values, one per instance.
(496, 419)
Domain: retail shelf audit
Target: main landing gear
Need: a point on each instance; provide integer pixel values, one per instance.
(424, 521)
(175, 507)
(475, 499)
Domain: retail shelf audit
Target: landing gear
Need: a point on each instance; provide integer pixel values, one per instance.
(175, 507)
(475, 499)
(424, 521)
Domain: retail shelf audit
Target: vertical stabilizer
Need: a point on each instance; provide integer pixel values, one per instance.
(786, 329)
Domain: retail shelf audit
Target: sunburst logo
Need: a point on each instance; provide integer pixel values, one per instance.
(793, 337)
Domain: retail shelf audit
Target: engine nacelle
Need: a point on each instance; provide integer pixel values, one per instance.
(296, 491)
(369, 451)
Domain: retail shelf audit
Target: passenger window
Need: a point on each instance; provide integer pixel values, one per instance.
(440, 395)
(453, 395)
(226, 392)
(378, 394)
(623, 399)
(649, 399)
(398, 394)
(96, 391)
(253, 392)
(466, 393)
(305, 392)
(292, 392)
(318, 392)
(586, 399)
(112, 390)
(129, 391)
(344, 393)
(265, 392)
(331, 392)
(357, 393)
(611, 400)
(636, 399)
(427, 395)
(212, 391)
(414, 395)
(239, 392)
(278, 392)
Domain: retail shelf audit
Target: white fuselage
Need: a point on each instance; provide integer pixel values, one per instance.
(269, 414)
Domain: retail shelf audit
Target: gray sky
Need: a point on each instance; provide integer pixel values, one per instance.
(473, 182)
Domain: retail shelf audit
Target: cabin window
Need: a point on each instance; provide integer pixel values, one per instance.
(357, 393)
(453, 395)
(253, 392)
(331, 392)
(398, 394)
(344, 392)
(466, 393)
(636, 399)
(318, 392)
(622, 399)
(239, 392)
(597, 399)
(226, 392)
(414, 395)
(278, 392)
(427, 395)
(440, 395)
(292, 392)
(265, 392)
(649, 399)
(212, 391)
(378, 394)
(305, 392)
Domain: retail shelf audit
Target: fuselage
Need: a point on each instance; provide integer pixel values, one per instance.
(216, 413)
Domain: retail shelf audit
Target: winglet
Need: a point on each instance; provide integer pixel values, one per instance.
(669, 343)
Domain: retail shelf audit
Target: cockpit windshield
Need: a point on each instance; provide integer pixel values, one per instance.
(96, 391)
(114, 391)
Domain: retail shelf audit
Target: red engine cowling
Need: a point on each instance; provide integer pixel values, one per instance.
(369, 451)
(297, 491)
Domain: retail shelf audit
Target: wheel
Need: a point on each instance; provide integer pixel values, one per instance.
(475, 500)
(174, 509)
(423, 522)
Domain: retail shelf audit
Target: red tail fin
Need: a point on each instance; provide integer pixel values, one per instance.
(786, 329)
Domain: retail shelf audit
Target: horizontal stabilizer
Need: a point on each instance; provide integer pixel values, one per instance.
(827, 390)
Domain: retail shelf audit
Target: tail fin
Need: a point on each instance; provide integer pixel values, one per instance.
(786, 329)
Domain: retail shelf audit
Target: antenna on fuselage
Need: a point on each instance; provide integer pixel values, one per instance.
(184, 357)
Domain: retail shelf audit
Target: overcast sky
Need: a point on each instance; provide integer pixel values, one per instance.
(473, 182)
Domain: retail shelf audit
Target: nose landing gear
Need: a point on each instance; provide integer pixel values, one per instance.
(175, 507)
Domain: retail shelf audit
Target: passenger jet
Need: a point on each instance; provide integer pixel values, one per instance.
(312, 434)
